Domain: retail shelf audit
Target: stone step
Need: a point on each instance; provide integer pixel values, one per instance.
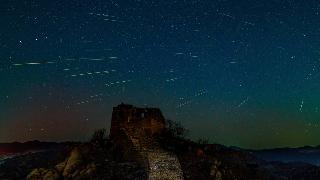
(161, 163)
(164, 165)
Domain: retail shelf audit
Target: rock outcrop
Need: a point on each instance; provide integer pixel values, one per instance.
(76, 166)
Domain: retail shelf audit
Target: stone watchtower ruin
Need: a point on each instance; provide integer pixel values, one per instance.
(133, 129)
(148, 121)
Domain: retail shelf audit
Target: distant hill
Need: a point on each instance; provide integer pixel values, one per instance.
(17, 147)
(305, 154)
(18, 159)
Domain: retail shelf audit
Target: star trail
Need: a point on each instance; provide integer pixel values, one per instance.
(238, 72)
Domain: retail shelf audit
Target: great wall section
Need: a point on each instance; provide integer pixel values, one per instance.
(133, 129)
(137, 149)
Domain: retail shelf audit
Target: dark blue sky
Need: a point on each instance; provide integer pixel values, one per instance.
(238, 72)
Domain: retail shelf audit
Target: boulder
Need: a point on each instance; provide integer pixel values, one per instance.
(47, 174)
(73, 163)
(60, 167)
(214, 171)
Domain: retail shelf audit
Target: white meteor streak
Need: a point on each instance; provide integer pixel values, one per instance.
(33, 63)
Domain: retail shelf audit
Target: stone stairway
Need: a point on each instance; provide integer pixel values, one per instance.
(162, 164)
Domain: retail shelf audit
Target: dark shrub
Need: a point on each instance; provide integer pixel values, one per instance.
(99, 137)
(176, 129)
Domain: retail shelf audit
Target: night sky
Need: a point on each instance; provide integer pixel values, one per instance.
(241, 73)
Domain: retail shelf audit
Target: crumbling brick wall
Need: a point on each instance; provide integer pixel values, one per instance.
(128, 117)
